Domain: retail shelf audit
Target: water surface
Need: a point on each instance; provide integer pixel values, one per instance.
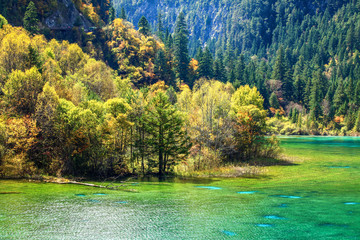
(318, 198)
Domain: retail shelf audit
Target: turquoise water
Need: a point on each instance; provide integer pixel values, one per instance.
(316, 198)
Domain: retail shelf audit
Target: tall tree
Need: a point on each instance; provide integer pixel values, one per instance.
(160, 27)
(31, 20)
(167, 138)
(206, 64)
(181, 52)
(122, 14)
(144, 26)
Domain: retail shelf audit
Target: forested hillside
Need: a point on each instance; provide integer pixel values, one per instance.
(62, 112)
(303, 56)
(114, 100)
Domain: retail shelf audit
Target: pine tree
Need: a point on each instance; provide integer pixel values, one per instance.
(357, 123)
(144, 26)
(162, 68)
(31, 20)
(206, 64)
(35, 59)
(240, 69)
(282, 73)
(315, 98)
(280, 68)
(340, 99)
(160, 27)
(167, 139)
(112, 15)
(219, 69)
(122, 14)
(181, 53)
(298, 89)
(274, 103)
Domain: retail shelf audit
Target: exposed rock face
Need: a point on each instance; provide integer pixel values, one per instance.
(66, 16)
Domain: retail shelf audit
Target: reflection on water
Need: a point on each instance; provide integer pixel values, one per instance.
(285, 206)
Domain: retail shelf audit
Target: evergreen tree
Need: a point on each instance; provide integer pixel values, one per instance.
(273, 101)
(315, 98)
(167, 138)
(162, 68)
(34, 58)
(206, 64)
(112, 15)
(31, 20)
(280, 68)
(219, 69)
(357, 123)
(340, 99)
(298, 89)
(160, 27)
(123, 14)
(240, 69)
(144, 26)
(181, 53)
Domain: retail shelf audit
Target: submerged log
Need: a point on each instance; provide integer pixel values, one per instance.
(109, 186)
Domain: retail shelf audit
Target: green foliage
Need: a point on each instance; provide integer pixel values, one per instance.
(144, 26)
(167, 137)
(31, 20)
(246, 96)
(122, 14)
(181, 55)
(21, 90)
(3, 21)
(274, 103)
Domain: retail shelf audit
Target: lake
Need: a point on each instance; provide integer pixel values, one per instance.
(317, 197)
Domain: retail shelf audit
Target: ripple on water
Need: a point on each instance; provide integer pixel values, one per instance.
(228, 233)
(209, 187)
(80, 195)
(351, 203)
(283, 205)
(100, 194)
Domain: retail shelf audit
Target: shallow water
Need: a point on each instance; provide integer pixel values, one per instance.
(316, 199)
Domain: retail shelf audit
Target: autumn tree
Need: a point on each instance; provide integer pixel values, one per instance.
(249, 114)
(21, 90)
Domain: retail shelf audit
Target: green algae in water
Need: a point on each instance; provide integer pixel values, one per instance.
(179, 210)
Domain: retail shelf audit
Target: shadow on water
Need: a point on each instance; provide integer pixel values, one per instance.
(271, 162)
(10, 192)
